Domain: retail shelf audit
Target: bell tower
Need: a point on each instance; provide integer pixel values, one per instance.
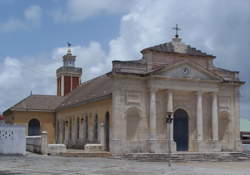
(68, 76)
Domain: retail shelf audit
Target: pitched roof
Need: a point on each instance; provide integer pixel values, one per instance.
(92, 90)
(169, 48)
(46, 103)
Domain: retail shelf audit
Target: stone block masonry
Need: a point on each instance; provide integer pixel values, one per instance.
(38, 144)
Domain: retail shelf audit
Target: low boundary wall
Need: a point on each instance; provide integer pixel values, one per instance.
(37, 144)
(12, 139)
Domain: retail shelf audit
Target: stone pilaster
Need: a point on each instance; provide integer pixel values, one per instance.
(214, 117)
(152, 119)
(102, 135)
(215, 146)
(199, 122)
(199, 115)
(62, 85)
(170, 108)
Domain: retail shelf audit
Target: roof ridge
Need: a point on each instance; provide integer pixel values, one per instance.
(45, 95)
(95, 78)
(20, 101)
(168, 47)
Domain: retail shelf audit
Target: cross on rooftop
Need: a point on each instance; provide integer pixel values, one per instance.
(176, 28)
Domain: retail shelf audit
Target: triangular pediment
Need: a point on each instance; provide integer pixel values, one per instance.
(187, 70)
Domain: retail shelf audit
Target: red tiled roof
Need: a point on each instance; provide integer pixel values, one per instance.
(38, 103)
(1, 117)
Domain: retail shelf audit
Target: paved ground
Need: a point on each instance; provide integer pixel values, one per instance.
(33, 164)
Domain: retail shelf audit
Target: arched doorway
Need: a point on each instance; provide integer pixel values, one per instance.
(181, 130)
(34, 127)
(106, 127)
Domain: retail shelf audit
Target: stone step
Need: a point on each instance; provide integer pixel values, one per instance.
(85, 154)
(183, 157)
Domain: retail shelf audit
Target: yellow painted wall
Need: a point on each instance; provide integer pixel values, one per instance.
(91, 109)
(46, 119)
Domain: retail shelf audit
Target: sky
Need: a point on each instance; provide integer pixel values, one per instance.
(34, 36)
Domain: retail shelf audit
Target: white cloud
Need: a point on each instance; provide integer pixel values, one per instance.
(32, 16)
(11, 70)
(33, 13)
(12, 25)
(91, 58)
(78, 10)
(36, 74)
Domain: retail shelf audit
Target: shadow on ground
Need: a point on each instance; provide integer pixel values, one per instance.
(8, 173)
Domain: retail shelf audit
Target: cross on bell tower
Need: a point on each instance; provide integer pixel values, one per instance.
(176, 28)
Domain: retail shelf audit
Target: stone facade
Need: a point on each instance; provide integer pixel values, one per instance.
(165, 81)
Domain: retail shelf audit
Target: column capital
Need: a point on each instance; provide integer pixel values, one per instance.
(214, 93)
(170, 105)
(199, 92)
(169, 90)
(153, 90)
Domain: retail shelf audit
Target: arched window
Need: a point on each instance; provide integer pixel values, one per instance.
(78, 128)
(57, 131)
(86, 128)
(34, 127)
(106, 126)
(96, 128)
(64, 128)
(133, 119)
(70, 129)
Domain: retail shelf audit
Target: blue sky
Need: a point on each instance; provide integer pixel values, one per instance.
(48, 34)
(34, 36)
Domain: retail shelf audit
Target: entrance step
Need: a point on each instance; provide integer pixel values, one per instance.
(93, 147)
(183, 157)
(83, 153)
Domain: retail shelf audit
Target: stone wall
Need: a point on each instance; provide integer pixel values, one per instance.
(37, 144)
(130, 121)
(12, 139)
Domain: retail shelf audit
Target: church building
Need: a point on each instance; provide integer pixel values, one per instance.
(126, 109)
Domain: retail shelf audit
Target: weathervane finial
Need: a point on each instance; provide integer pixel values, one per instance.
(176, 28)
(69, 47)
(69, 44)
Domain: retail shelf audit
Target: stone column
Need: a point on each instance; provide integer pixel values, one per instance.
(170, 108)
(60, 131)
(62, 86)
(152, 109)
(199, 119)
(236, 119)
(66, 136)
(214, 117)
(102, 135)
